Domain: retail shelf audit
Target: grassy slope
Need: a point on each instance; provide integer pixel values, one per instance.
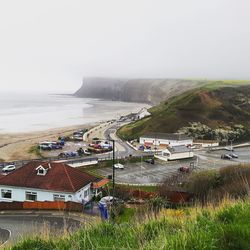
(212, 104)
(224, 227)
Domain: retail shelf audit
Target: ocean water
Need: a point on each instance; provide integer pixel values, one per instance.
(38, 112)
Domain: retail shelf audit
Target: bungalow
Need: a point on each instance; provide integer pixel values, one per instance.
(165, 139)
(176, 153)
(44, 181)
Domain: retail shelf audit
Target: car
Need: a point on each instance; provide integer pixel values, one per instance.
(184, 169)
(119, 166)
(150, 161)
(109, 200)
(45, 146)
(56, 145)
(141, 148)
(9, 168)
(233, 155)
(86, 152)
(226, 157)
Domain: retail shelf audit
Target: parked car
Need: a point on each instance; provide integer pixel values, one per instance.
(119, 166)
(184, 169)
(233, 155)
(9, 168)
(45, 146)
(68, 154)
(226, 157)
(86, 152)
(150, 161)
(56, 145)
(109, 199)
(141, 147)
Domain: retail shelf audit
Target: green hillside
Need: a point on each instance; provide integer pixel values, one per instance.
(222, 227)
(222, 105)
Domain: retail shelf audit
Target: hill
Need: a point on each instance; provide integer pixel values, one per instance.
(216, 109)
(151, 91)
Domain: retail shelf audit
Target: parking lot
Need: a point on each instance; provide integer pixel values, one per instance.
(145, 173)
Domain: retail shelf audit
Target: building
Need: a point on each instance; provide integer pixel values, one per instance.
(165, 140)
(176, 153)
(44, 181)
(206, 143)
(143, 113)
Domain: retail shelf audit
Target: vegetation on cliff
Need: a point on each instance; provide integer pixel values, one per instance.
(224, 106)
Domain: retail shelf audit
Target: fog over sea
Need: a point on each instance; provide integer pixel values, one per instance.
(37, 112)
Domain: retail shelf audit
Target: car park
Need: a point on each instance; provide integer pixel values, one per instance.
(9, 168)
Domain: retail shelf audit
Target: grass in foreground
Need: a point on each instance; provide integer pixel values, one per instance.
(224, 227)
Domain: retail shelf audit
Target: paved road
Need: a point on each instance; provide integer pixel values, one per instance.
(22, 225)
(4, 236)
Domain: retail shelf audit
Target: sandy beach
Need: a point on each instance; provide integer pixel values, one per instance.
(16, 146)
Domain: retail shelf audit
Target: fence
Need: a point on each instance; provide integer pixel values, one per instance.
(42, 205)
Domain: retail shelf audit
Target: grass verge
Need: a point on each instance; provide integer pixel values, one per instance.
(222, 227)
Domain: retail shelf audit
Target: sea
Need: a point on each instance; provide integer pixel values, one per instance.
(21, 113)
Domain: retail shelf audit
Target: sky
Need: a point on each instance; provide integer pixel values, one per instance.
(50, 45)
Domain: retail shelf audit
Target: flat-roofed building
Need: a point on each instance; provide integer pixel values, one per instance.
(176, 153)
(165, 139)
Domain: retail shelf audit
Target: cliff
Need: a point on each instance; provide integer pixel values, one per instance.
(151, 91)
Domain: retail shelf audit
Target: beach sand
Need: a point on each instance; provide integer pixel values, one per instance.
(16, 146)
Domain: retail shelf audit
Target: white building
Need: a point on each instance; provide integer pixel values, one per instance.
(166, 140)
(43, 181)
(176, 153)
(206, 143)
(143, 113)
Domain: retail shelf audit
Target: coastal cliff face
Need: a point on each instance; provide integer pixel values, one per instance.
(151, 91)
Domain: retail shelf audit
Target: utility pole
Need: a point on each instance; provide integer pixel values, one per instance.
(113, 179)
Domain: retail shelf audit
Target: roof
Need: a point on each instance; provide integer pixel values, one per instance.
(167, 136)
(59, 177)
(100, 183)
(178, 149)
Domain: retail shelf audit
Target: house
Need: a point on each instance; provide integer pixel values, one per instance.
(44, 181)
(176, 153)
(143, 113)
(165, 140)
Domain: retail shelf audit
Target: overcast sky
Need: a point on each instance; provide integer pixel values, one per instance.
(52, 44)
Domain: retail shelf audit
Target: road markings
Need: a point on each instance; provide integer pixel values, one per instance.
(8, 237)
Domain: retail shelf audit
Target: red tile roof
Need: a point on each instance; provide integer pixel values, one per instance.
(60, 177)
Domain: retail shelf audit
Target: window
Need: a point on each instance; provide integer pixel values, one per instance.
(6, 193)
(31, 196)
(86, 193)
(59, 197)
